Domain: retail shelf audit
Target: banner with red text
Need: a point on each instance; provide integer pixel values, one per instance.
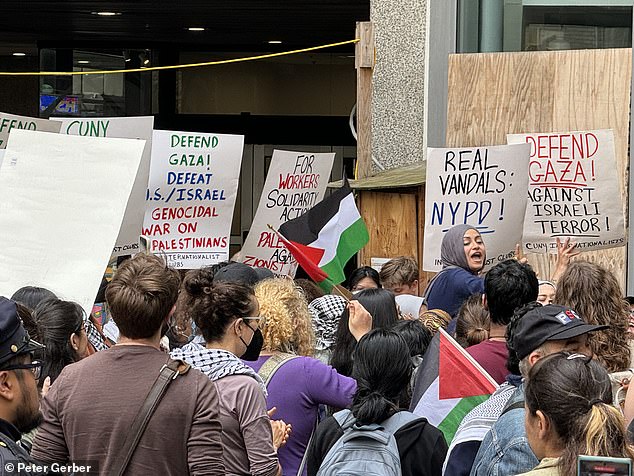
(480, 186)
(573, 191)
(295, 182)
(124, 128)
(191, 194)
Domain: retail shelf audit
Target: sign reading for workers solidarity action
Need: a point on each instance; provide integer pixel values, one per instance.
(480, 186)
(295, 182)
(573, 191)
(191, 194)
(11, 121)
(124, 128)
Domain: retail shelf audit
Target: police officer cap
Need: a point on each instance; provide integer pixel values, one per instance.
(14, 339)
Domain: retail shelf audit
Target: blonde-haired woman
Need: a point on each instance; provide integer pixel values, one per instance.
(297, 384)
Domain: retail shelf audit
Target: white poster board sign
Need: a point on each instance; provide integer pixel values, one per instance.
(480, 186)
(296, 181)
(57, 226)
(573, 191)
(191, 194)
(8, 122)
(124, 128)
(1, 156)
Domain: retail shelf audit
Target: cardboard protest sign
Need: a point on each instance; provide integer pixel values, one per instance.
(57, 226)
(125, 128)
(11, 121)
(295, 182)
(573, 191)
(191, 194)
(480, 186)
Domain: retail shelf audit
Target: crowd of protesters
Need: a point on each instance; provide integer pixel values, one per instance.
(231, 370)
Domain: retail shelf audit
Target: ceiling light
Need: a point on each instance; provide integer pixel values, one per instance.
(275, 42)
(83, 62)
(106, 14)
(19, 54)
(196, 28)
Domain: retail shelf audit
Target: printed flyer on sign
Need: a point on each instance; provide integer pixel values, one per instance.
(573, 191)
(11, 121)
(295, 182)
(124, 128)
(57, 226)
(480, 186)
(190, 197)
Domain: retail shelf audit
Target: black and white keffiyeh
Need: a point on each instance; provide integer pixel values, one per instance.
(326, 311)
(215, 363)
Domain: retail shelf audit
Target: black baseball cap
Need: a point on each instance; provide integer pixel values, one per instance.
(237, 273)
(544, 323)
(14, 339)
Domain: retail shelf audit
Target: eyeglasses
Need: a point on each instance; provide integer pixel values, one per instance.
(35, 367)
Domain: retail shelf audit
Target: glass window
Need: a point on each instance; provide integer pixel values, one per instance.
(541, 25)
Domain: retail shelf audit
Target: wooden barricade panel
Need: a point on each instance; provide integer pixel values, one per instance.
(494, 94)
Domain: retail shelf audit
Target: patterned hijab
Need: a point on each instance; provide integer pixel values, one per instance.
(452, 248)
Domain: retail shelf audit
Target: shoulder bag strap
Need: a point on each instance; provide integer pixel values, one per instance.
(513, 406)
(272, 365)
(302, 465)
(168, 373)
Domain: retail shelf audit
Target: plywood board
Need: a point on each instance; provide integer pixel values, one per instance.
(391, 219)
(494, 94)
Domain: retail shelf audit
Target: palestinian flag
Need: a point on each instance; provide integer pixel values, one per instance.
(324, 238)
(449, 383)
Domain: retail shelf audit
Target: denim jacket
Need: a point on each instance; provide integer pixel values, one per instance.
(505, 450)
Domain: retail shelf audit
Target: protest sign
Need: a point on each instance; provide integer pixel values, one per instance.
(480, 186)
(295, 182)
(124, 128)
(57, 226)
(1, 156)
(191, 194)
(11, 121)
(573, 191)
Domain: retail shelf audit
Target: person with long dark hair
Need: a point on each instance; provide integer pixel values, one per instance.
(569, 412)
(382, 369)
(362, 278)
(60, 327)
(381, 305)
(227, 315)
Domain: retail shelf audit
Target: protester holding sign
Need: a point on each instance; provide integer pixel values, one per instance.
(463, 255)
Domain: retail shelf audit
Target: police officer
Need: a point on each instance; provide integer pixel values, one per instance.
(19, 395)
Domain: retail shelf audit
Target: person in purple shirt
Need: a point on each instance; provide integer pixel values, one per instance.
(297, 384)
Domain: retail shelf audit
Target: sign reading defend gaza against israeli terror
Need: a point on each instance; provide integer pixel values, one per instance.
(190, 196)
(11, 121)
(573, 191)
(295, 182)
(124, 128)
(480, 186)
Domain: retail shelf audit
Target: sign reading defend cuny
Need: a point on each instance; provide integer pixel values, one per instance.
(191, 194)
(481, 186)
(573, 191)
(296, 181)
(11, 121)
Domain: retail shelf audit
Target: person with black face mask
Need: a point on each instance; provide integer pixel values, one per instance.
(227, 316)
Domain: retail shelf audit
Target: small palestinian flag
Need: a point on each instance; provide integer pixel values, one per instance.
(324, 238)
(449, 384)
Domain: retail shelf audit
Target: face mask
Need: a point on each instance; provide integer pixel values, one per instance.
(253, 349)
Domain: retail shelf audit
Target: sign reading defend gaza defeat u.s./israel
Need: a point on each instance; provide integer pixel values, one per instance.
(573, 190)
(481, 186)
(191, 194)
(295, 182)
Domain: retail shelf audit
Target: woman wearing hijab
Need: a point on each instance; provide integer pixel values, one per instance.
(463, 255)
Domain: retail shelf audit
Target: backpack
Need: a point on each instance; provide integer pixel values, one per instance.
(365, 449)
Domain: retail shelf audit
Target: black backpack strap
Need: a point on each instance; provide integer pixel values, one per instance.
(513, 406)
